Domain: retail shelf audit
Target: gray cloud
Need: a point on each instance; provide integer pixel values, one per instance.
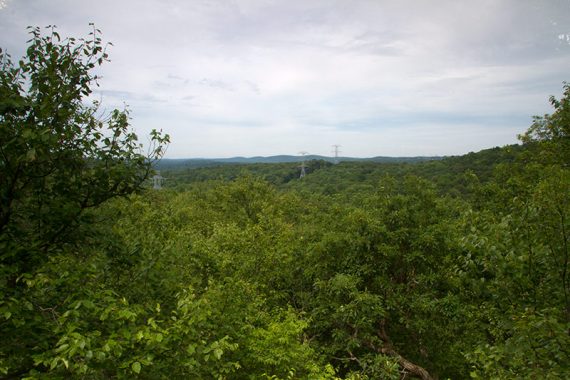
(217, 84)
(380, 77)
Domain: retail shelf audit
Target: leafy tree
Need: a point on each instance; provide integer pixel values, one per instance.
(514, 270)
(552, 131)
(514, 279)
(60, 158)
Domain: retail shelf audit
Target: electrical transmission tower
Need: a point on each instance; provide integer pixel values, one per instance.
(157, 180)
(303, 166)
(336, 152)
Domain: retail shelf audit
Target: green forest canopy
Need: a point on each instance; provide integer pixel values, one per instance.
(447, 269)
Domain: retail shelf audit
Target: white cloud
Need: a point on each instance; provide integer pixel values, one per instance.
(267, 77)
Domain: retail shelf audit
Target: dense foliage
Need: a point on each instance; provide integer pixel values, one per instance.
(455, 268)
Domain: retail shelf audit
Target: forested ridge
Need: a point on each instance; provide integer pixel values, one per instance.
(448, 174)
(447, 269)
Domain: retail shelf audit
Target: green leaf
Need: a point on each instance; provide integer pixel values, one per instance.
(62, 347)
(54, 363)
(136, 367)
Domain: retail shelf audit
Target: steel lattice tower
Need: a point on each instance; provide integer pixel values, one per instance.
(303, 166)
(157, 181)
(336, 152)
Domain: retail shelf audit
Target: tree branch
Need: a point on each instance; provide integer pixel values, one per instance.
(388, 349)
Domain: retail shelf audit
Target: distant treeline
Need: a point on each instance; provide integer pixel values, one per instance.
(325, 177)
(208, 162)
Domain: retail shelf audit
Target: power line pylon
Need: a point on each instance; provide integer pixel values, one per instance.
(303, 166)
(157, 180)
(336, 152)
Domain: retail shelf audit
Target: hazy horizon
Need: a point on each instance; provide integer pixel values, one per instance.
(330, 156)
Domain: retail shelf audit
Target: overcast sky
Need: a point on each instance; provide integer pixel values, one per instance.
(259, 77)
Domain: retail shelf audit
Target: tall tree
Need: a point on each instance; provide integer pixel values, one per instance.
(552, 131)
(60, 157)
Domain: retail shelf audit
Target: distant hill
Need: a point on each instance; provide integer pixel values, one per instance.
(322, 176)
(205, 162)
